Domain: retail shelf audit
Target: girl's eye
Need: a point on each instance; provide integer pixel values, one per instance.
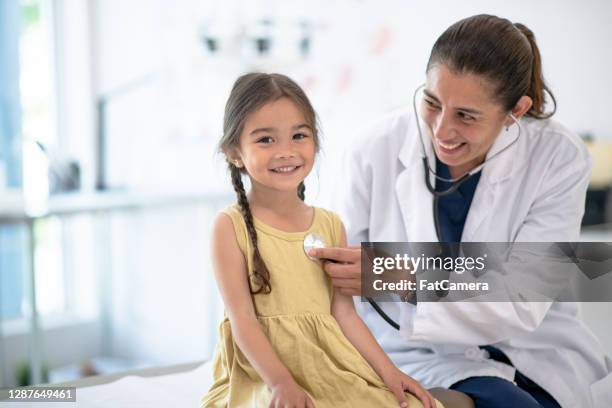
(300, 136)
(265, 140)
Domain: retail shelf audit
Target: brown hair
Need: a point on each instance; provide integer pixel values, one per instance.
(505, 53)
(249, 93)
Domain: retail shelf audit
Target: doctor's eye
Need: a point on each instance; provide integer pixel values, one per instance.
(431, 104)
(465, 117)
(265, 140)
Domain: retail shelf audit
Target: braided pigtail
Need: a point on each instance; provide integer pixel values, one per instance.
(249, 94)
(262, 275)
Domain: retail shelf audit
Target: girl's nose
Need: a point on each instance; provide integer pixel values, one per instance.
(285, 154)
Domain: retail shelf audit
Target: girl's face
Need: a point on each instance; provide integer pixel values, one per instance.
(463, 117)
(277, 146)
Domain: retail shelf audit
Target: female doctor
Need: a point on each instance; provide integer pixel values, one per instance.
(522, 178)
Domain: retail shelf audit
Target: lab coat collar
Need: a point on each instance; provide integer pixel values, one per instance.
(500, 153)
(415, 200)
(498, 170)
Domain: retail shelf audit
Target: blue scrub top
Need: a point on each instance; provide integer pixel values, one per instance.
(485, 391)
(453, 208)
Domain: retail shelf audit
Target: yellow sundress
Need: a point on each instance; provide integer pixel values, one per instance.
(296, 318)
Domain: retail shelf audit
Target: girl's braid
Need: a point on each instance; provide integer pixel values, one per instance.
(262, 275)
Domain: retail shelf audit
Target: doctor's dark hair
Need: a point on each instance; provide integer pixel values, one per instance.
(250, 93)
(504, 53)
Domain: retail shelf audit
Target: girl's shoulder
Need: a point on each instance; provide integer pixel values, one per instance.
(325, 222)
(232, 210)
(330, 221)
(238, 223)
(327, 215)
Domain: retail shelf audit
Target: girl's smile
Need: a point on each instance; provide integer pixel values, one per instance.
(285, 170)
(277, 147)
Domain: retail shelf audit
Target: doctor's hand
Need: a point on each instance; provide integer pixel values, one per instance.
(343, 265)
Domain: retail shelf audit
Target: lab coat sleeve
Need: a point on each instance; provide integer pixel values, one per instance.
(554, 216)
(355, 191)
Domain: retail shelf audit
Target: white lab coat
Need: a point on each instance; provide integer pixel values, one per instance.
(533, 191)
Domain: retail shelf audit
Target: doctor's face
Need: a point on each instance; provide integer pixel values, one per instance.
(463, 116)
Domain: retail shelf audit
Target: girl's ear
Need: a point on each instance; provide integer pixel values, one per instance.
(233, 157)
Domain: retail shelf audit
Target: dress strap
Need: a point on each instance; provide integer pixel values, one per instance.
(334, 223)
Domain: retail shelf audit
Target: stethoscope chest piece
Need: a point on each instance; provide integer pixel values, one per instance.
(313, 241)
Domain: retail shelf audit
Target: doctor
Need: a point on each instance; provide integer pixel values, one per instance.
(481, 111)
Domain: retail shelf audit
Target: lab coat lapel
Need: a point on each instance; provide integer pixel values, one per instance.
(480, 209)
(495, 172)
(415, 201)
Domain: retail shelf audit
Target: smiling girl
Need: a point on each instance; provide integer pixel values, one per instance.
(288, 339)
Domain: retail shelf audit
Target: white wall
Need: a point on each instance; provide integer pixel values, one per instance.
(367, 58)
(164, 307)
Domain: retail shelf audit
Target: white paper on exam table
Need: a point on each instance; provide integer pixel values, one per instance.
(173, 390)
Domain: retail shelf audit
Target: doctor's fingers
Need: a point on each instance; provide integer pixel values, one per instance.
(343, 271)
(350, 255)
(351, 292)
(347, 284)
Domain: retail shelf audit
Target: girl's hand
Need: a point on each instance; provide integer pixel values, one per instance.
(290, 395)
(398, 382)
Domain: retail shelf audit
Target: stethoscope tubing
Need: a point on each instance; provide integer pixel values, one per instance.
(456, 183)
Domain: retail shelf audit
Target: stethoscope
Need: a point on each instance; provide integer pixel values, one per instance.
(312, 241)
(456, 182)
(315, 241)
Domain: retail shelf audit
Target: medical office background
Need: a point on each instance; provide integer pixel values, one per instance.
(109, 180)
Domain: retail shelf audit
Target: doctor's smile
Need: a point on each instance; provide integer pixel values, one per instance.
(462, 117)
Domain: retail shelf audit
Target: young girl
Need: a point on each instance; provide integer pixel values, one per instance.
(289, 339)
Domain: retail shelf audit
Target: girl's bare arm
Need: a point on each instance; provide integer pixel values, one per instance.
(356, 330)
(231, 275)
